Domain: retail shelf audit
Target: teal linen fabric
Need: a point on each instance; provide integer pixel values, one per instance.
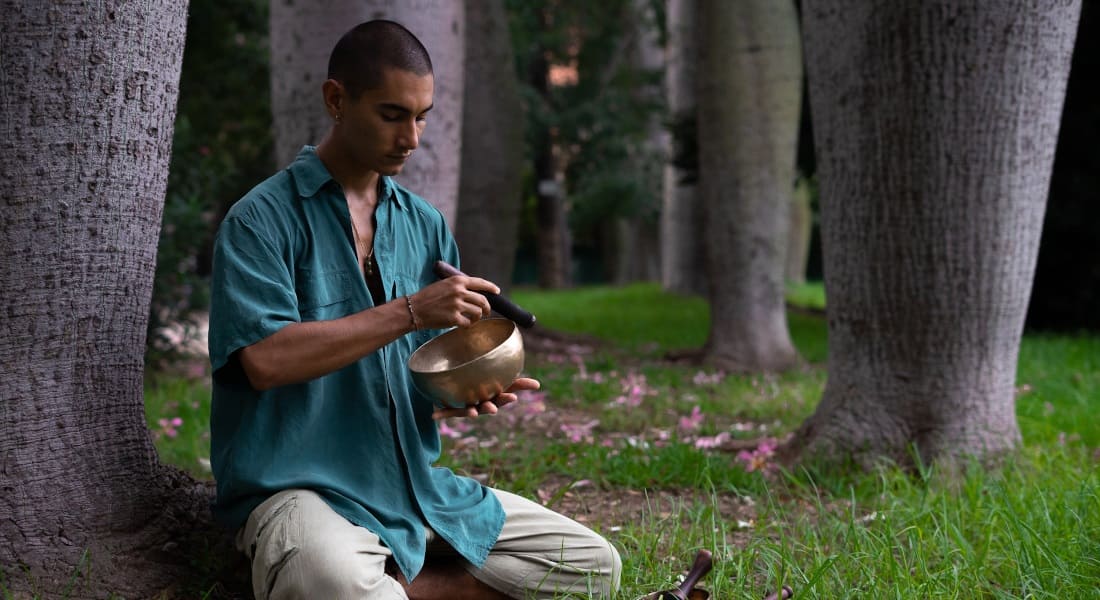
(362, 437)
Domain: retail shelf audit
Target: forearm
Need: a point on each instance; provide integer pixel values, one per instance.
(304, 351)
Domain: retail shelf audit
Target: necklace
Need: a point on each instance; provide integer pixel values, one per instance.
(369, 263)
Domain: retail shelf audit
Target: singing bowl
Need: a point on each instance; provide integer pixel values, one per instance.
(468, 365)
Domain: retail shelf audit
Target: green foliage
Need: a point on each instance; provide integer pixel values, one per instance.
(221, 147)
(601, 120)
(179, 289)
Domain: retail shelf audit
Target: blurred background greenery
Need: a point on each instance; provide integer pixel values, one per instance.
(601, 109)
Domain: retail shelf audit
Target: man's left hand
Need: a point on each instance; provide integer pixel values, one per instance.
(492, 405)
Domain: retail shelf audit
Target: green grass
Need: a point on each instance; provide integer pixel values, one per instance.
(810, 294)
(187, 399)
(642, 318)
(1030, 529)
(1059, 382)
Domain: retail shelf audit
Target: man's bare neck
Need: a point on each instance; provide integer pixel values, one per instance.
(358, 185)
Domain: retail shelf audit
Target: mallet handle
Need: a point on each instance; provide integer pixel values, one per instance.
(500, 304)
(704, 560)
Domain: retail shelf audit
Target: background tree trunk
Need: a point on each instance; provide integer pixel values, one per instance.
(86, 119)
(750, 77)
(635, 255)
(490, 194)
(302, 37)
(935, 125)
(553, 246)
(681, 214)
(633, 250)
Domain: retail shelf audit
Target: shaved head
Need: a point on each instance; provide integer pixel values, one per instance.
(363, 54)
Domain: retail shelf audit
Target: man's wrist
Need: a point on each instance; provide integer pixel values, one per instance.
(414, 321)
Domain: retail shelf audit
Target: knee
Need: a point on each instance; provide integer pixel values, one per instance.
(302, 549)
(327, 572)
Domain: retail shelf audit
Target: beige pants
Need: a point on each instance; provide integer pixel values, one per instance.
(301, 548)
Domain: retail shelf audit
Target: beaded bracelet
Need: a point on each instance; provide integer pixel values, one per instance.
(412, 315)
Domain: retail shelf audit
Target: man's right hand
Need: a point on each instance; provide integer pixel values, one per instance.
(454, 301)
(303, 351)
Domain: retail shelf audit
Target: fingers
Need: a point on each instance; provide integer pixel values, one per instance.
(473, 305)
(489, 407)
(495, 400)
(504, 399)
(480, 285)
(522, 384)
(446, 413)
(453, 301)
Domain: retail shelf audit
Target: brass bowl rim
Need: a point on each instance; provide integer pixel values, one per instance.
(491, 320)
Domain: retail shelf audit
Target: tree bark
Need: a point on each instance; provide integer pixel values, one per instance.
(749, 76)
(302, 37)
(553, 247)
(86, 119)
(681, 225)
(490, 192)
(936, 125)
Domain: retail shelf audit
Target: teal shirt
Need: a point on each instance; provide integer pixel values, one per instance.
(362, 437)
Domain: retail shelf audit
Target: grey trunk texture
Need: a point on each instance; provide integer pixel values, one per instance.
(749, 81)
(490, 192)
(682, 267)
(302, 37)
(87, 107)
(935, 125)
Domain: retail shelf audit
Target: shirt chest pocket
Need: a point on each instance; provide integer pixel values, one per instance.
(323, 295)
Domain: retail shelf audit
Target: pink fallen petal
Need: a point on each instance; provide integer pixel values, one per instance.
(448, 431)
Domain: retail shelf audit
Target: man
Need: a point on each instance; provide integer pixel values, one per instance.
(321, 447)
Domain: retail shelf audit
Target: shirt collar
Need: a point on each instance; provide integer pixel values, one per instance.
(310, 175)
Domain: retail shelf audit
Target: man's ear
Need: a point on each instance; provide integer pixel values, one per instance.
(335, 97)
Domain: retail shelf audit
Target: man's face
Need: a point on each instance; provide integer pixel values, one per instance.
(382, 126)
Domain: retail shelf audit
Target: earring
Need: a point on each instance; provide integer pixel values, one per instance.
(339, 118)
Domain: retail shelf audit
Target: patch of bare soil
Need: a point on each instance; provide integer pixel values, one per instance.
(610, 509)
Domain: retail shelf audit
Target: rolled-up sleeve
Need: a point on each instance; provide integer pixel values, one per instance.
(252, 289)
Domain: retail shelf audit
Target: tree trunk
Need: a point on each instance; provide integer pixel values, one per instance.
(936, 125)
(490, 194)
(750, 80)
(681, 214)
(553, 248)
(554, 255)
(636, 256)
(86, 119)
(302, 37)
(634, 253)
